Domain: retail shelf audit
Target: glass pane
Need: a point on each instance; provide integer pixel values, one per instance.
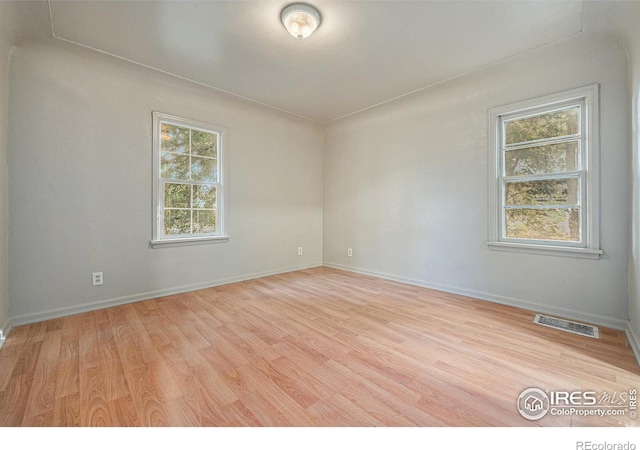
(204, 197)
(177, 221)
(174, 167)
(543, 192)
(203, 143)
(203, 169)
(544, 159)
(177, 195)
(564, 122)
(174, 139)
(548, 224)
(204, 221)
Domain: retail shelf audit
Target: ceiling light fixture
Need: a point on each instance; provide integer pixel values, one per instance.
(300, 20)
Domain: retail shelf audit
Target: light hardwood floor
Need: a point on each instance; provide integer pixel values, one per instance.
(318, 347)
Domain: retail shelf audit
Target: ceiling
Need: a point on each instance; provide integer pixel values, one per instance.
(363, 54)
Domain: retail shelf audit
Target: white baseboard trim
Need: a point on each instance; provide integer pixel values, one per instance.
(605, 321)
(632, 337)
(101, 304)
(5, 329)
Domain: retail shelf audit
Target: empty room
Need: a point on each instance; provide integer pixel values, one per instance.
(322, 214)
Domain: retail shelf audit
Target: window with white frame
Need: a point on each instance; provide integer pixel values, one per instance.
(188, 180)
(544, 181)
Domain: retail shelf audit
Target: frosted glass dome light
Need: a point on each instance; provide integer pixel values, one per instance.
(300, 20)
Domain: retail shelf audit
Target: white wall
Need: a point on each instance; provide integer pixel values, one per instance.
(19, 21)
(7, 39)
(406, 187)
(626, 17)
(80, 186)
(634, 265)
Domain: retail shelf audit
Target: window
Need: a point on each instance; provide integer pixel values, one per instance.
(544, 180)
(188, 181)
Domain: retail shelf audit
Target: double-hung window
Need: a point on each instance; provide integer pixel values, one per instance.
(544, 175)
(188, 181)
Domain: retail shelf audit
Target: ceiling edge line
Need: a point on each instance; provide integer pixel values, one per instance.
(53, 31)
(155, 69)
(474, 70)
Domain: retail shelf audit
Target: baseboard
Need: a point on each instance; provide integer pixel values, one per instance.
(632, 337)
(605, 321)
(5, 329)
(101, 304)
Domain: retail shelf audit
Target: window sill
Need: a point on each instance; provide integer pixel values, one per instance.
(189, 241)
(550, 250)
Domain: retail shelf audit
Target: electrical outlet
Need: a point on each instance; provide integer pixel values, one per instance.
(299, 251)
(349, 252)
(97, 278)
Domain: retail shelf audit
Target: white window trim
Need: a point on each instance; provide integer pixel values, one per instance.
(590, 248)
(221, 236)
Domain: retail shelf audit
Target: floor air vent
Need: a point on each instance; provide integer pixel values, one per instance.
(565, 325)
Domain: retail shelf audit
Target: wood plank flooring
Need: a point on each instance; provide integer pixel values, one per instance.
(318, 347)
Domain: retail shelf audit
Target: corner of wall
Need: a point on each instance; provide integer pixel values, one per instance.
(630, 35)
(634, 341)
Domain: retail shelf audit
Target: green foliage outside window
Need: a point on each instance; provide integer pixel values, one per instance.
(542, 145)
(189, 169)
